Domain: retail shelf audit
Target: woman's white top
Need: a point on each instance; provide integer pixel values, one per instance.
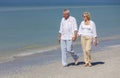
(87, 30)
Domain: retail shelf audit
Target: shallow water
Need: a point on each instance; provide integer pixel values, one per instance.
(30, 30)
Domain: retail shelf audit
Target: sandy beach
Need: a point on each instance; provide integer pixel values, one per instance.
(29, 45)
(105, 65)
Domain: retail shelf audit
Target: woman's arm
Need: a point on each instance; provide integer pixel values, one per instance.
(95, 41)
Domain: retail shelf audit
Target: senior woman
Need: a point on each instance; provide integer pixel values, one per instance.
(87, 31)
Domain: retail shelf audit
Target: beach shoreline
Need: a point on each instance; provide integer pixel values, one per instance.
(105, 65)
(29, 46)
(32, 51)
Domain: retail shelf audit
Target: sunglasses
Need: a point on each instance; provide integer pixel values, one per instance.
(84, 16)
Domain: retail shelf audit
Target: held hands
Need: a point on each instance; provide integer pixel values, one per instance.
(74, 38)
(75, 35)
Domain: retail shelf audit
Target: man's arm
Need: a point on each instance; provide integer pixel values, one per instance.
(95, 35)
(59, 37)
(75, 29)
(60, 31)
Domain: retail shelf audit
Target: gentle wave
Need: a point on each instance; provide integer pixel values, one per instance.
(35, 51)
(7, 58)
(55, 47)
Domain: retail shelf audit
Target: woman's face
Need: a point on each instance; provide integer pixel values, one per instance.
(85, 17)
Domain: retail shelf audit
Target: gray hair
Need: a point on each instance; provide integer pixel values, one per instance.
(66, 10)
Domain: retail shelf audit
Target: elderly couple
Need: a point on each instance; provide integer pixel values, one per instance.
(68, 33)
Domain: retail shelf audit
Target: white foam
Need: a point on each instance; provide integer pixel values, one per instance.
(35, 51)
(7, 58)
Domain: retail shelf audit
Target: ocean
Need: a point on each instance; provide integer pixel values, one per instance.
(30, 30)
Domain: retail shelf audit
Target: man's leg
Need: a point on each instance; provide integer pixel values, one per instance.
(63, 49)
(70, 50)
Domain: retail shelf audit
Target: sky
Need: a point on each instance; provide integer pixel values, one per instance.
(58, 2)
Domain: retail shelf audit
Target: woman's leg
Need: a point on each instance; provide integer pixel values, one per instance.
(83, 43)
(88, 50)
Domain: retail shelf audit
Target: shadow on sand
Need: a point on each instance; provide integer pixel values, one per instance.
(73, 64)
(82, 63)
(97, 63)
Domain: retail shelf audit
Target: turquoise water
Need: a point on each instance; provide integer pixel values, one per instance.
(27, 28)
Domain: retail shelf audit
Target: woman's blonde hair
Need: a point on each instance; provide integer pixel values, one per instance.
(87, 15)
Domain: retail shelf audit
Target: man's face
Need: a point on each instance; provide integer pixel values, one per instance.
(66, 15)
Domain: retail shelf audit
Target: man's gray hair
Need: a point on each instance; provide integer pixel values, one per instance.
(66, 10)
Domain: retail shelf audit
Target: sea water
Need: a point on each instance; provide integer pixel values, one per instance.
(35, 29)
